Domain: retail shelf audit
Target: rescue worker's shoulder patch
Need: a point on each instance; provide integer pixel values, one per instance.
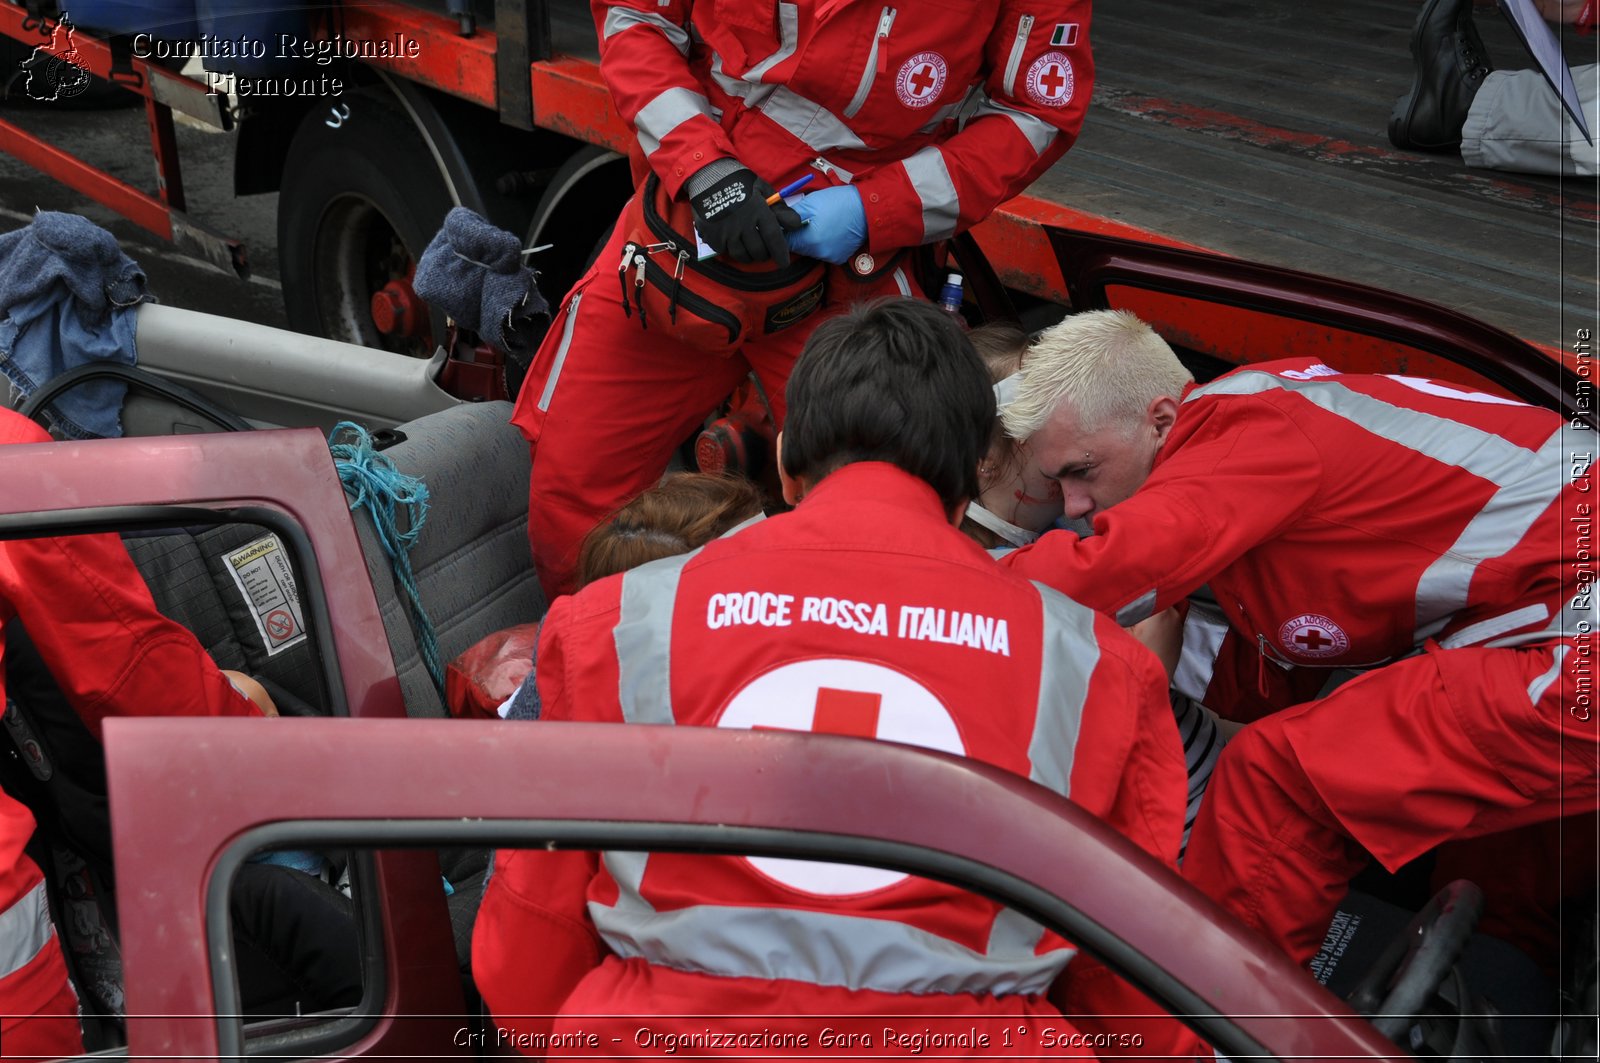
(921, 79)
(1050, 80)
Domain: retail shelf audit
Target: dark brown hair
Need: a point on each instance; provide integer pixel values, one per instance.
(682, 513)
(893, 381)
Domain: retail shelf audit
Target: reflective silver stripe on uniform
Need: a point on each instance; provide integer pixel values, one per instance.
(821, 948)
(950, 110)
(1038, 133)
(643, 638)
(669, 110)
(788, 41)
(561, 352)
(1537, 688)
(1204, 628)
(1484, 630)
(1139, 609)
(1014, 61)
(1013, 933)
(902, 282)
(810, 123)
(1525, 490)
(1570, 621)
(627, 869)
(1068, 659)
(930, 179)
(25, 929)
(1529, 484)
(623, 18)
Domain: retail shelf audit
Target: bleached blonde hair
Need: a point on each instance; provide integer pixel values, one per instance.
(1107, 363)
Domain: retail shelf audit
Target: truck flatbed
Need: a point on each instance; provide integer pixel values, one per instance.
(1259, 131)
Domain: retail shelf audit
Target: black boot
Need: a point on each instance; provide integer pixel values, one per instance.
(1451, 64)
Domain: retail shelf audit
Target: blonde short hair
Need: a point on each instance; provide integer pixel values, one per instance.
(1107, 363)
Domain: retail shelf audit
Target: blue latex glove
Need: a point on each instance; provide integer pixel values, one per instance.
(835, 225)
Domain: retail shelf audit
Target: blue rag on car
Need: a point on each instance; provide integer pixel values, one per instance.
(474, 272)
(67, 294)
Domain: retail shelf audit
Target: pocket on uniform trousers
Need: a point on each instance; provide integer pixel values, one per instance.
(544, 374)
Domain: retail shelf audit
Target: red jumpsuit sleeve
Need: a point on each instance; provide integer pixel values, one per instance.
(89, 613)
(1235, 473)
(644, 49)
(1148, 793)
(1016, 133)
(533, 940)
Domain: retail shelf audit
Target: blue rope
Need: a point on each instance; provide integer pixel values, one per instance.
(371, 480)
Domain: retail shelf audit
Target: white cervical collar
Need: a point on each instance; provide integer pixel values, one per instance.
(1005, 529)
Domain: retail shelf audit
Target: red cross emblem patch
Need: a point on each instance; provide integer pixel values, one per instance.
(1050, 80)
(1313, 635)
(831, 695)
(921, 79)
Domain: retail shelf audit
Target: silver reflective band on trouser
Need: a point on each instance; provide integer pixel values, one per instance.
(667, 112)
(622, 18)
(931, 180)
(561, 352)
(1528, 481)
(25, 930)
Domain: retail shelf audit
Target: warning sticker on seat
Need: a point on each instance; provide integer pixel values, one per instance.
(266, 580)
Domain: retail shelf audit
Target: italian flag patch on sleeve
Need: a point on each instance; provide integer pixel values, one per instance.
(1065, 36)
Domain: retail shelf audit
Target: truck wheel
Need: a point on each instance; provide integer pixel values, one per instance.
(360, 199)
(576, 214)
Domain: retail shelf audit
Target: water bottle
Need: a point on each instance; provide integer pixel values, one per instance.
(950, 298)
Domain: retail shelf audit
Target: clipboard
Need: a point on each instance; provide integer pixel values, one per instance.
(1545, 47)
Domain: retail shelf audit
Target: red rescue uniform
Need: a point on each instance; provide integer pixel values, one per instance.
(936, 110)
(1353, 521)
(91, 617)
(863, 612)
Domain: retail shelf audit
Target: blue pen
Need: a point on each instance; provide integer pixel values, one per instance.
(789, 189)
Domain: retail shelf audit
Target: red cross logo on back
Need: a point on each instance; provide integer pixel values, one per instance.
(831, 695)
(841, 712)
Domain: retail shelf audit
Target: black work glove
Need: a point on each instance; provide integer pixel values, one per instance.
(733, 217)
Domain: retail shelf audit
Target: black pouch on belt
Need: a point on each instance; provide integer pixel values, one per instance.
(714, 305)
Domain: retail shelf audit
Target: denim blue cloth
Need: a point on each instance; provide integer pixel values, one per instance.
(525, 702)
(474, 272)
(67, 294)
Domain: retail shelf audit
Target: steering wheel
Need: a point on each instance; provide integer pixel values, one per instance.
(1417, 962)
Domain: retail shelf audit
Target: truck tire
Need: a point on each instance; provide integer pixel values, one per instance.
(575, 215)
(360, 199)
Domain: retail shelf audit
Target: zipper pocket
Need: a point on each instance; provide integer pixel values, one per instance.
(843, 176)
(561, 352)
(701, 307)
(877, 63)
(1024, 27)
